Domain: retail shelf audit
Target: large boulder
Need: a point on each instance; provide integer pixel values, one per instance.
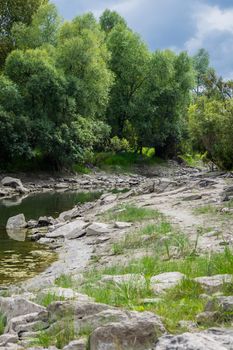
(165, 281)
(80, 344)
(13, 307)
(137, 333)
(16, 222)
(212, 339)
(97, 229)
(15, 227)
(213, 284)
(14, 183)
(130, 278)
(72, 230)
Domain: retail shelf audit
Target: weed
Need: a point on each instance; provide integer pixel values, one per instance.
(64, 281)
(2, 323)
(130, 213)
(47, 299)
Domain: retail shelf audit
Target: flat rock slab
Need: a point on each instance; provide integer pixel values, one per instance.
(80, 344)
(13, 307)
(165, 281)
(66, 293)
(137, 333)
(69, 231)
(220, 303)
(8, 338)
(122, 225)
(213, 339)
(124, 279)
(213, 284)
(97, 229)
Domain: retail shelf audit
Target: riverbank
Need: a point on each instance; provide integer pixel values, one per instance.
(135, 266)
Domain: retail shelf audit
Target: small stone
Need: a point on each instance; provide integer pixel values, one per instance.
(164, 281)
(122, 225)
(97, 229)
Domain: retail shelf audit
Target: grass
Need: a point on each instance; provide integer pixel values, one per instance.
(2, 323)
(47, 299)
(64, 281)
(125, 161)
(182, 302)
(192, 266)
(130, 213)
(160, 237)
(60, 334)
(206, 209)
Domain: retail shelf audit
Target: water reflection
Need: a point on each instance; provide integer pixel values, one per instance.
(19, 257)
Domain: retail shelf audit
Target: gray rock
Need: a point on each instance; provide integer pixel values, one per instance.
(137, 333)
(220, 303)
(66, 293)
(97, 229)
(212, 339)
(192, 197)
(8, 338)
(122, 225)
(124, 279)
(207, 317)
(164, 281)
(14, 183)
(28, 323)
(80, 344)
(213, 284)
(16, 222)
(72, 230)
(13, 307)
(46, 221)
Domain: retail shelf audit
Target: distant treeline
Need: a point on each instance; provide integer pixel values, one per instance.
(68, 89)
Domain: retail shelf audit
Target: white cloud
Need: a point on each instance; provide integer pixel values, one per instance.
(209, 20)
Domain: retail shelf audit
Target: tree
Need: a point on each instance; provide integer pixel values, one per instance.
(110, 19)
(14, 11)
(211, 128)
(83, 56)
(42, 30)
(201, 63)
(129, 60)
(162, 102)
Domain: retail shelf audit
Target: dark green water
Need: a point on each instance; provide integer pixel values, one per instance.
(24, 259)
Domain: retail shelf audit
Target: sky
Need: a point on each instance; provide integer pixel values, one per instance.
(175, 24)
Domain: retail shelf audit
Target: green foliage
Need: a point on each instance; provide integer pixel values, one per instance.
(130, 213)
(2, 323)
(212, 132)
(64, 281)
(12, 12)
(48, 298)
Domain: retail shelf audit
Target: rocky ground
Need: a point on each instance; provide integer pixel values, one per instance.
(150, 268)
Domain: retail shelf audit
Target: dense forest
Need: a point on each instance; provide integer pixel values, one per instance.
(71, 89)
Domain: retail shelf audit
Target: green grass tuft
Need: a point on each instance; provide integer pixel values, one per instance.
(2, 323)
(130, 213)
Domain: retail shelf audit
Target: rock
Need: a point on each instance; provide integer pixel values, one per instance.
(213, 284)
(69, 214)
(66, 293)
(14, 183)
(8, 338)
(137, 333)
(192, 197)
(72, 230)
(124, 279)
(212, 339)
(102, 318)
(97, 229)
(164, 281)
(61, 186)
(108, 198)
(122, 225)
(207, 317)
(80, 344)
(16, 222)
(220, 303)
(13, 307)
(28, 323)
(188, 325)
(58, 309)
(46, 221)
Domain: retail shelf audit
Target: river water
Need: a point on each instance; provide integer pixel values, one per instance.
(24, 259)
